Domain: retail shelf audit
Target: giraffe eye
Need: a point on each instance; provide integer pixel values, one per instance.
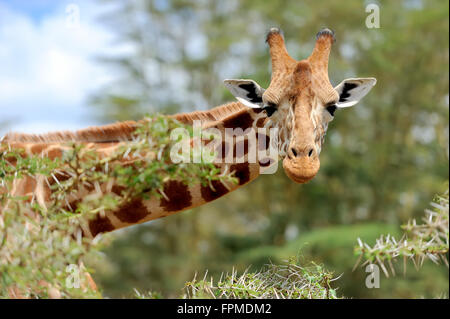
(270, 108)
(331, 109)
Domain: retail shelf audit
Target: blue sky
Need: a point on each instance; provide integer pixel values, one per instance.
(47, 65)
(35, 9)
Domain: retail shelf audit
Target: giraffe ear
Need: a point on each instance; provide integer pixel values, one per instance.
(351, 91)
(248, 92)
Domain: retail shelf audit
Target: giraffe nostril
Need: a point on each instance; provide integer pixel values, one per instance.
(294, 152)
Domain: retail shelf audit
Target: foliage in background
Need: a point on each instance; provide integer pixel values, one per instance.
(420, 242)
(381, 163)
(37, 243)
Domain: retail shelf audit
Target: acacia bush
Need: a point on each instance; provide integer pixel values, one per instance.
(289, 280)
(420, 242)
(39, 246)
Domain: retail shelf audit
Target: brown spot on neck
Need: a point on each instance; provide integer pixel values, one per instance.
(263, 141)
(50, 151)
(18, 147)
(59, 177)
(241, 171)
(240, 120)
(241, 148)
(209, 194)
(178, 195)
(100, 225)
(222, 150)
(261, 122)
(11, 159)
(132, 212)
(38, 148)
(27, 187)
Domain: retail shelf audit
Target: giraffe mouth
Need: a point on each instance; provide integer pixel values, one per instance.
(301, 170)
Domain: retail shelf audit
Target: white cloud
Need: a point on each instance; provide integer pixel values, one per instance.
(47, 69)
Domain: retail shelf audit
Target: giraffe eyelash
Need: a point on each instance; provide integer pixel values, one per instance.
(270, 108)
(331, 109)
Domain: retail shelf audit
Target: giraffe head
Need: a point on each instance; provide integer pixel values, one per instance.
(300, 101)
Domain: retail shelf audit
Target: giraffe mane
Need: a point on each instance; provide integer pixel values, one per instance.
(216, 114)
(105, 133)
(121, 131)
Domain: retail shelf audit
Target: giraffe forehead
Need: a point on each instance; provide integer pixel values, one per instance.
(318, 86)
(302, 81)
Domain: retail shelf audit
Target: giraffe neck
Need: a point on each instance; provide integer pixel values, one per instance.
(177, 195)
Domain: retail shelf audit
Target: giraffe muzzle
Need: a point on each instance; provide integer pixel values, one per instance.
(301, 165)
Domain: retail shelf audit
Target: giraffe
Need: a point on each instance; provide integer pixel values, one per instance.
(299, 102)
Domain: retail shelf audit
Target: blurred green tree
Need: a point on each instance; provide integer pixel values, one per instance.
(382, 161)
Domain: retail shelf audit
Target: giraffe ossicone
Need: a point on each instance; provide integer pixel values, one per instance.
(285, 122)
